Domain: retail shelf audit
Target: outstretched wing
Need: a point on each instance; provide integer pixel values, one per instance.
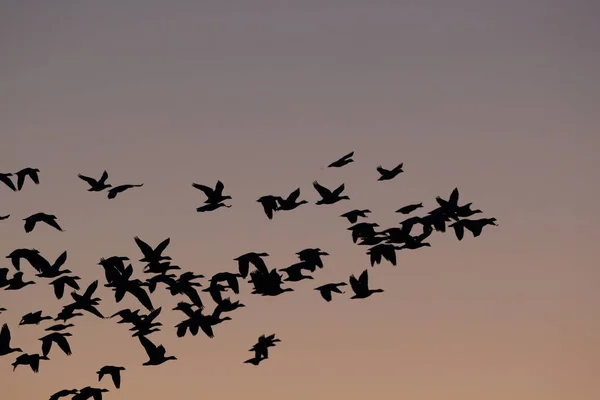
(323, 191)
(207, 191)
(89, 180)
(144, 247)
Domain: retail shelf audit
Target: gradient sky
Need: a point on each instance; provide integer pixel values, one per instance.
(498, 98)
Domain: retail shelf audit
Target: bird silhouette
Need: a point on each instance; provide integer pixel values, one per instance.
(112, 193)
(114, 372)
(328, 196)
(33, 360)
(269, 204)
(291, 202)
(347, 159)
(63, 393)
(32, 173)
(360, 286)
(85, 302)
(153, 255)
(48, 270)
(213, 196)
(211, 207)
(156, 354)
(5, 178)
(62, 281)
(88, 392)
(255, 259)
(59, 327)
(60, 338)
(17, 282)
(33, 318)
(387, 175)
(327, 289)
(294, 272)
(96, 185)
(352, 216)
(409, 208)
(32, 220)
(5, 338)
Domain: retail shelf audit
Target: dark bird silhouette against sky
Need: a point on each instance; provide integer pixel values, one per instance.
(6, 179)
(112, 193)
(347, 159)
(352, 216)
(32, 220)
(328, 196)
(386, 175)
(114, 372)
(360, 286)
(32, 173)
(326, 290)
(96, 185)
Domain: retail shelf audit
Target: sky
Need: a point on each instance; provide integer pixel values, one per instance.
(497, 98)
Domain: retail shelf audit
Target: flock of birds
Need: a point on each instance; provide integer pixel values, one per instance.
(118, 271)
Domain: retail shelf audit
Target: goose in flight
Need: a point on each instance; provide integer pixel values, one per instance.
(327, 289)
(33, 318)
(328, 196)
(32, 173)
(291, 202)
(63, 393)
(153, 255)
(60, 338)
(114, 372)
(360, 286)
(409, 208)
(17, 282)
(112, 193)
(269, 205)
(32, 220)
(5, 342)
(388, 174)
(33, 360)
(347, 159)
(96, 185)
(213, 196)
(352, 216)
(156, 354)
(255, 259)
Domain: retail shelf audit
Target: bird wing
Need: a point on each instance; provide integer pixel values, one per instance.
(91, 289)
(294, 195)
(8, 182)
(382, 170)
(59, 288)
(148, 345)
(20, 180)
(62, 342)
(52, 222)
(60, 260)
(162, 246)
(29, 225)
(326, 294)
(4, 336)
(219, 188)
(354, 284)
(207, 191)
(323, 191)
(348, 155)
(144, 247)
(90, 181)
(104, 176)
(364, 278)
(339, 190)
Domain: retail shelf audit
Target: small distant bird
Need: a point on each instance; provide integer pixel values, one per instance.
(33, 318)
(386, 174)
(5, 342)
(49, 219)
(352, 216)
(347, 159)
(290, 202)
(114, 372)
(3, 217)
(326, 290)
(27, 172)
(60, 338)
(156, 354)
(409, 208)
(5, 178)
(112, 193)
(33, 360)
(96, 185)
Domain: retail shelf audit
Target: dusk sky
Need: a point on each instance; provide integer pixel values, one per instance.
(498, 98)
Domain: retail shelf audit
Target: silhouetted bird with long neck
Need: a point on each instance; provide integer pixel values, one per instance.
(255, 259)
(85, 302)
(269, 204)
(352, 216)
(312, 256)
(360, 286)
(409, 208)
(326, 290)
(213, 196)
(474, 226)
(347, 159)
(6, 179)
(5, 339)
(32, 173)
(49, 219)
(67, 314)
(64, 393)
(153, 255)
(113, 371)
(112, 193)
(387, 251)
(328, 196)
(267, 284)
(96, 185)
(34, 318)
(17, 282)
(32, 256)
(88, 393)
(60, 283)
(32, 360)
(294, 272)
(388, 174)
(261, 348)
(60, 338)
(291, 202)
(156, 354)
(48, 270)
